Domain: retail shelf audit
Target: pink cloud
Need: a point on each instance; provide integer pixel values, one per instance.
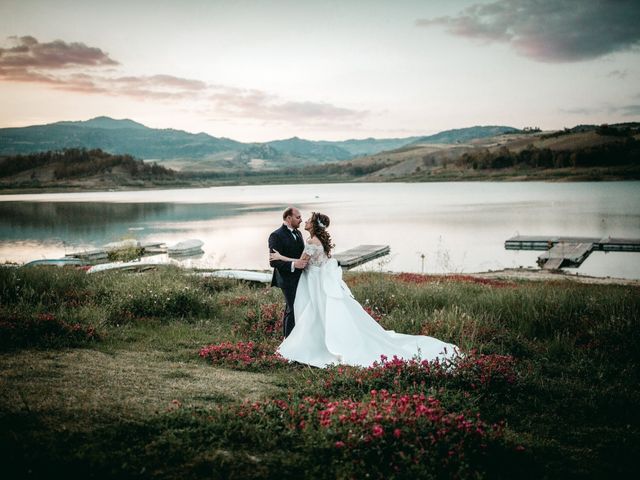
(75, 67)
(29, 53)
(261, 105)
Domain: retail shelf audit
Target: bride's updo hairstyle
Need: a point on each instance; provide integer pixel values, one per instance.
(319, 224)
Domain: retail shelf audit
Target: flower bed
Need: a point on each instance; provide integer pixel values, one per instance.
(382, 435)
(243, 355)
(261, 323)
(418, 279)
(470, 372)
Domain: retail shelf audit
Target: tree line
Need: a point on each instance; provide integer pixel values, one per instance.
(626, 152)
(81, 162)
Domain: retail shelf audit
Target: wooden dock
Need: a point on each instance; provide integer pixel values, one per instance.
(569, 251)
(361, 254)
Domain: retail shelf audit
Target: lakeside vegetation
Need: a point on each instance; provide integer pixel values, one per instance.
(170, 375)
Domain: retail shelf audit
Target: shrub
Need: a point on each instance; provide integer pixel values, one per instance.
(44, 329)
(242, 355)
(261, 323)
(384, 435)
(42, 285)
(162, 294)
(489, 373)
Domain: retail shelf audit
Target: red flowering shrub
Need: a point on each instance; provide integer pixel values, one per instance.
(481, 371)
(242, 355)
(43, 329)
(418, 279)
(235, 301)
(262, 322)
(471, 371)
(383, 435)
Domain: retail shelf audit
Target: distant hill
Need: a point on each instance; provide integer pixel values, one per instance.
(80, 167)
(614, 149)
(298, 147)
(202, 152)
(462, 135)
(610, 152)
(104, 122)
(368, 146)
(114, 136)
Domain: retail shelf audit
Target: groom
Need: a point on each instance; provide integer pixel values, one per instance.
(288, 241)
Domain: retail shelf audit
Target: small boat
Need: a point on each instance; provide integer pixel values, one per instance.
(89, 255)
(135, 266)
(249, 275)
(56, 262)
(187, 247)
(153, 248)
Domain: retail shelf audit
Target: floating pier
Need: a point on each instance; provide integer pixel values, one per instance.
(569, 251)
(361, 254)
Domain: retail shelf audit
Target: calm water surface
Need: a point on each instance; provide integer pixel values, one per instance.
(458, 227)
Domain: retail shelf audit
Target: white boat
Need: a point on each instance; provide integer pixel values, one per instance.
(135, 266)
(249, 275)
(89, 255)
(56, 262)
(150, 248)
(187, 247)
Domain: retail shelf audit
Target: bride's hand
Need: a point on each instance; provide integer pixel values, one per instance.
(275, 255)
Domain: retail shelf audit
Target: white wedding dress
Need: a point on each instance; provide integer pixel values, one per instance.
(333, 328)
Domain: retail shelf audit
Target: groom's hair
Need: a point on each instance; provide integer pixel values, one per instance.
(287, 213)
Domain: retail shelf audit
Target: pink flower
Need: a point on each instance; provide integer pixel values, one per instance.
(339, 444)
(377, 431)
(397, 433)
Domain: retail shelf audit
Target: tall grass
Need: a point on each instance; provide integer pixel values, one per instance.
(556, 370)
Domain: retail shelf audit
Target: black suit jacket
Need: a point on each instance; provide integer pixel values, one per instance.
(282, 240)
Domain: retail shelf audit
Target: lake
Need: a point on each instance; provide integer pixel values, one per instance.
(458, 227)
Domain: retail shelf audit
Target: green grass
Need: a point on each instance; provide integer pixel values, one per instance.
(135, 399)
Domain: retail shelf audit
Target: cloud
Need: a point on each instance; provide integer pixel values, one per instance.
(29, 53)
(631, 110)
(75, 67)
(624, 110)
(261, 105)
(550, 30)
(162, 81)
(621, 74)
(584, 110)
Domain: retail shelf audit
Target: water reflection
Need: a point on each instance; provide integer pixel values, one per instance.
(456, 226)
(90, 222)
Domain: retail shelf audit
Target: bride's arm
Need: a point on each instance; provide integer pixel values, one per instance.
(275, 255)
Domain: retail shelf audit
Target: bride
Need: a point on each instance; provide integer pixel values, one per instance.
(331, 326)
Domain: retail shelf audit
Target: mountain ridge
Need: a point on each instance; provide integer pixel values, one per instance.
(193, 151)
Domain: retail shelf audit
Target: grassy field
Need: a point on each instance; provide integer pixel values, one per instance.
(169, 375)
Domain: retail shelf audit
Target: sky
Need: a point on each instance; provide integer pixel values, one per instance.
(322, 70)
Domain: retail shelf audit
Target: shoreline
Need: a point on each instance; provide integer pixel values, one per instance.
(445, 176)
(545, 275)
(509, 274)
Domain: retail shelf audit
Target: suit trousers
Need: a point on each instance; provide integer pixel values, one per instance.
(288, 320)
